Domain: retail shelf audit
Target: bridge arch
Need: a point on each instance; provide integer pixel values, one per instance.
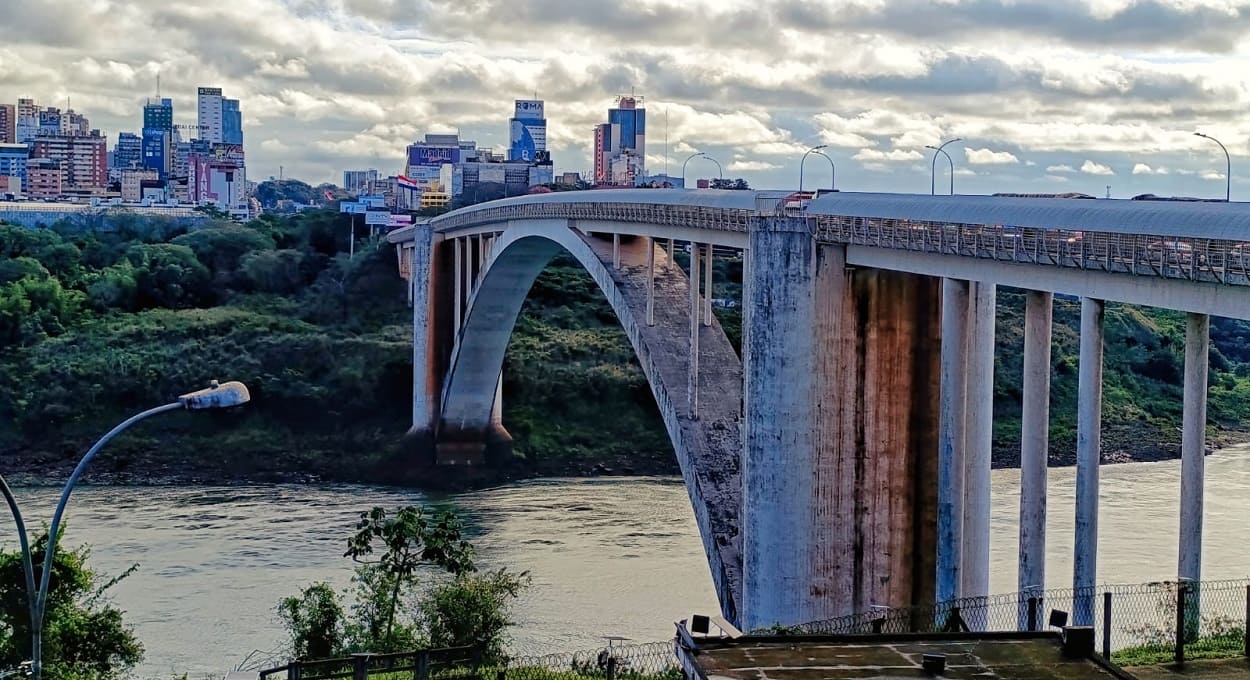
(708, 447)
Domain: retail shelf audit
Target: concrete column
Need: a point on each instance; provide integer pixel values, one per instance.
(459, 294)
(692, 389)
(670, 253)
(707, 289)
(1034, 445)
(951, 436)
(1193, 444)
(779, 554)
(650, 281)
(1088, 459)
(426, 379)
(975, 567)
(468, 272)
(616, 251)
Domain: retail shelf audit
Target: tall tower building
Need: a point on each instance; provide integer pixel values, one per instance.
(27, 120)
(159, 116)
(211, 110)
(157, 137)
(8, 124)
(231, 122)
(527, 135)
(624, 133)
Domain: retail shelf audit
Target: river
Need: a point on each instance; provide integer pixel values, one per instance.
(608, 556)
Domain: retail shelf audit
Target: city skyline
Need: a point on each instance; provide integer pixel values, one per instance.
(1059, 96)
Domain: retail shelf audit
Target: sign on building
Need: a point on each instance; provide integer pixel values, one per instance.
(378, 217)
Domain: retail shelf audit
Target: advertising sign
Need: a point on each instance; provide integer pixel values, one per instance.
(529, 108)
(400, 220)
(373, 200)
(379, 217)
(346, 206)
(432, 155)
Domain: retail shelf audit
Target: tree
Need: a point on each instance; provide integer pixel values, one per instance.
(168, 275)
(409, 540)
(314, 620)
(473, 610)
(83, 636)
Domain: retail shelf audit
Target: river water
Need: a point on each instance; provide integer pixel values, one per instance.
(608, 556)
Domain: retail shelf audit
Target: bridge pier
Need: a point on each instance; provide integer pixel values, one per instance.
(1088, 460)
(1193, 444)
(839, 505)
(1034, 446)
(953, 407)
(975, 571)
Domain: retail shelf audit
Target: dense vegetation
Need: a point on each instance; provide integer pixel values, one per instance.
(95, 325)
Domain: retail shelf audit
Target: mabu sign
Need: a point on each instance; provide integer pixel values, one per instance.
(432, 155)
(529, 108)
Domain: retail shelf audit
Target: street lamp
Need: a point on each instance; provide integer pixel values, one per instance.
(933, 166)
(217, 395)
(814, 149)
(719, 173)
(683, 166)
(1228, 166)
(833, 169)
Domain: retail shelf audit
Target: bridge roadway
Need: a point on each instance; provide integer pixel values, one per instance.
(819, 499)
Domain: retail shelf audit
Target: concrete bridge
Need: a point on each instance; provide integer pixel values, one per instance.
(844, 463)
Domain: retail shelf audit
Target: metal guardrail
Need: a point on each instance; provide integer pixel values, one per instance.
(1186, 258)
(444, 664)
(1157, 622)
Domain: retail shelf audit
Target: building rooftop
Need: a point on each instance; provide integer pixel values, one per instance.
(1009, 656)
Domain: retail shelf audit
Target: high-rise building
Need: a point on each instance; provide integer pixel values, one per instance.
(158, 116)
(128, 153)
(13, 158)
(426, 159)
(210, 110)
(157, 150)
(84, 158)
(132, 183)
(27, 120)
(527, 135)
(45, 178)
(231, 122)
(359, 181)
(626, 130)
(8, 124)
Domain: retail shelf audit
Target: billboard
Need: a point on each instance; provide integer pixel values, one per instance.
(381, 217)
(432, 155)
(529, 109)
(526, 140)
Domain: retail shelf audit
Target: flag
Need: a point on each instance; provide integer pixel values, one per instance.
(407, 183)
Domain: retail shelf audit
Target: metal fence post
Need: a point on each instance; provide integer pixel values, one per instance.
(1106, 625)
(1246, 627)
(1181, 587)
(421, 670)
(612, 668)
(1032, 625)
(295, 671)
(360, 667)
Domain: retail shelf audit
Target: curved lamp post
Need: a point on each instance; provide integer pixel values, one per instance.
(814, 149)
(833, 169)
(683, 166)
(719, 173)
(217, 395)
(1228, 165)
(933, 166)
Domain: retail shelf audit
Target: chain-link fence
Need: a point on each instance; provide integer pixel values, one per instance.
(651, 661)
(1133, 624)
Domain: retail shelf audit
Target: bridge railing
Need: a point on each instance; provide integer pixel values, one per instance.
(1187, 258)
(1134, 624)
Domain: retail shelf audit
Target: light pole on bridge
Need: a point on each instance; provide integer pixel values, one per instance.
(1228, 165)
(814, 149)
(933, 166)
(217, 396)
(833, 170)
(683, 166)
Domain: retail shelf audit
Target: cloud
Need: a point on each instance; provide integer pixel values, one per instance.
(988, 157)
(1091, 168)
(893, 155)
(1060, 168)
(1144, 169)
(1212, 174)
(751, 166)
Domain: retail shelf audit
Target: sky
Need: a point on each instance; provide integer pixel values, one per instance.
(1050, 96)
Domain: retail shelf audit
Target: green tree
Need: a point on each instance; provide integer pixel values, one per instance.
(473, 610)
(168, 275)
(221, 247)
(274, 271)
(83, 635)
(314, 620)
(407, 541)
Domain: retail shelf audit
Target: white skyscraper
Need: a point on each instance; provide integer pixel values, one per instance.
(210, 107)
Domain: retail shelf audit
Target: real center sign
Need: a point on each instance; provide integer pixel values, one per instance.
(379, 217)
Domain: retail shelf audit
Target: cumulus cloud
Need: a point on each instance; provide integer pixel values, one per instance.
(751, 166)
(1144, 169)
(1060, 168)
(1092, 168)
(988, 157)
(893, 155)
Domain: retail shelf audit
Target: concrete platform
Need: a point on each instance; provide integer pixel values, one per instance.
(1037, 656)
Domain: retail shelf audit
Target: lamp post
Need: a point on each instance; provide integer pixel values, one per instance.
(216, 396)
(814, 149)
(833, 169)
(933, 166)
(1228, 166)
(683, 166)
(719, 173)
